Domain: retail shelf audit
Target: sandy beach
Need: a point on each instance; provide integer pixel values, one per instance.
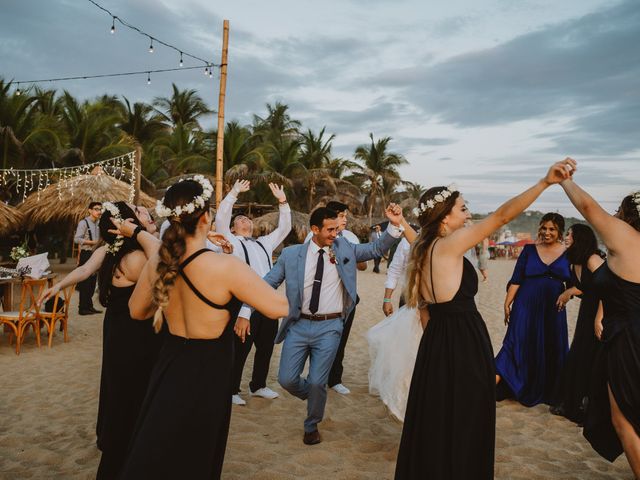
(48, 404)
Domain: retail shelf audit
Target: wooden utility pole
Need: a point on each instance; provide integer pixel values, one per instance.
(221, 99)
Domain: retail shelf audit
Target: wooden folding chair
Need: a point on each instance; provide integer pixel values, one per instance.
(59, 313)
(28, 313)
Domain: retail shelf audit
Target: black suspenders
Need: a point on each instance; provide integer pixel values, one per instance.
(246, 253)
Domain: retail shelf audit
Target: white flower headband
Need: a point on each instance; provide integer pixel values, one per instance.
(197, 202)
(112, 248)
(439, 197)
(636, 200)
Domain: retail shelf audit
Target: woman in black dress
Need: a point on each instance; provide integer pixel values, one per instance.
(612, 424)
(182, 428)
(449, 426)
(570, 398)
(129, 348)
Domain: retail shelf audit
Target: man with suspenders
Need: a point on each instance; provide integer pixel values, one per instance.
(257, 253)
(87, 238)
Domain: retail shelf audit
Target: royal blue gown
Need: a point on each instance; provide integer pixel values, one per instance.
(536, 344)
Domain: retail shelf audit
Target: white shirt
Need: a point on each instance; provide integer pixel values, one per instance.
(347, 234)
(398, 268)
(209, 245)
(331, 292)
(259, 261)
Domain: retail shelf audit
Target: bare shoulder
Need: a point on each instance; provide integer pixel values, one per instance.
(594, 262)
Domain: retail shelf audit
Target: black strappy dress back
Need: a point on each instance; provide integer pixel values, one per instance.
(449, 427)
(183, 426)
(617, 364)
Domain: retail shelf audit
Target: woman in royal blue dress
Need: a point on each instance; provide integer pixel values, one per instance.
(536, 344)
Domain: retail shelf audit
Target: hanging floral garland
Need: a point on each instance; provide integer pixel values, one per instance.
(26, 181)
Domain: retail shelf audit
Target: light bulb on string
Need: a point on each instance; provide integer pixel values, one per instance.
(211, 72)
(148, 78)
(113, 26)
(151, 45)
(206, 70)
(181, 63)
(18, 91)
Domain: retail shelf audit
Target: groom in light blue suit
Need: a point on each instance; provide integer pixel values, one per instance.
(320, 277)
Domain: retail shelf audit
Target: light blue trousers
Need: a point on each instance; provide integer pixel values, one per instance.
(319, 342)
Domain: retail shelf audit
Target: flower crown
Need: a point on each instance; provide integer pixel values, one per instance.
(636, 199)
(197, 202)
(112, 248)
(439, 197)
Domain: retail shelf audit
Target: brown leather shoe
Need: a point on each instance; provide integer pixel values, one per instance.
(312, 438)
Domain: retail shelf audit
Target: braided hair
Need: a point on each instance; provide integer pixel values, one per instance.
(173, 245)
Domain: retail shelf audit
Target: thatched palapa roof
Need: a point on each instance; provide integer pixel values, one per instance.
(10, 219)
(73, 207)
(269, 222)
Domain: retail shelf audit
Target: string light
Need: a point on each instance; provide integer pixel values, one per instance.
(148, 78)
(68, 177)
(181, 62)
(105, 75)
(206, 70)
(18, 91)
(151, 45)
(141, 32)
(113, 25)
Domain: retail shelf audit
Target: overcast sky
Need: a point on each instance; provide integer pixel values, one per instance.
(484, 93)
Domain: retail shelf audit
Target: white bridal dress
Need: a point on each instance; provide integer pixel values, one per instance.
(393, 346)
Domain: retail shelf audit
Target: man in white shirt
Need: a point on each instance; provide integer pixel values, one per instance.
(396, 275)
(87, 238)
(321, 282)
(335, 376)
(257, 253)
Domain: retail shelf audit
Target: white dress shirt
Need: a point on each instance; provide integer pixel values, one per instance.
(398, 268)
(259, 261)
(331, 292)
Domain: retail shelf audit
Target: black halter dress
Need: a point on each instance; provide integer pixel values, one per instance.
(449, 427)
(617, 364)
(184, 421)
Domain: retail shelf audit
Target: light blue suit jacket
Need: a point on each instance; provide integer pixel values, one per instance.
(290, 269)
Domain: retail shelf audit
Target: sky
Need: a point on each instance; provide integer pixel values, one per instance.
(483, 93)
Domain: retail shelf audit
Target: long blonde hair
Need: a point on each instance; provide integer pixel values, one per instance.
(173, 244)
(429, 221)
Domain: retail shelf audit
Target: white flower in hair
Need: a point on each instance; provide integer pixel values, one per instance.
(439, 197)
(636, 200)
(112, 248)
(198, 202)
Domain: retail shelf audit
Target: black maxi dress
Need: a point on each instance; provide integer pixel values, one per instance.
(617, 363)
(130, 350)
(449, 426)
(184, 421)
(571, 396)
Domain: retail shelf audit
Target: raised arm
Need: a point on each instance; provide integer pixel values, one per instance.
(615, 233)
(225, 210)
(463, 239)
(77, 275)
(276, 237)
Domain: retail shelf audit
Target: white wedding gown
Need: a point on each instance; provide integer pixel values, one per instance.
(393, 346)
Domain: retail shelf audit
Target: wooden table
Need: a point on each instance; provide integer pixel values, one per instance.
(6, 289)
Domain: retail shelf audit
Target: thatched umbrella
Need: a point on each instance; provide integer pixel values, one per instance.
(46, 207)
(268, 223)
(10, 219)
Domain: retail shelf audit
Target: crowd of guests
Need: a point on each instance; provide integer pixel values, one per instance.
(185, 305)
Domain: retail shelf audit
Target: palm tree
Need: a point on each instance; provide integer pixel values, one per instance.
(277, 125)
(91, 130)
(184, 106)
(378, 170)
(182, 151)
(315, 150)
(140, 123)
